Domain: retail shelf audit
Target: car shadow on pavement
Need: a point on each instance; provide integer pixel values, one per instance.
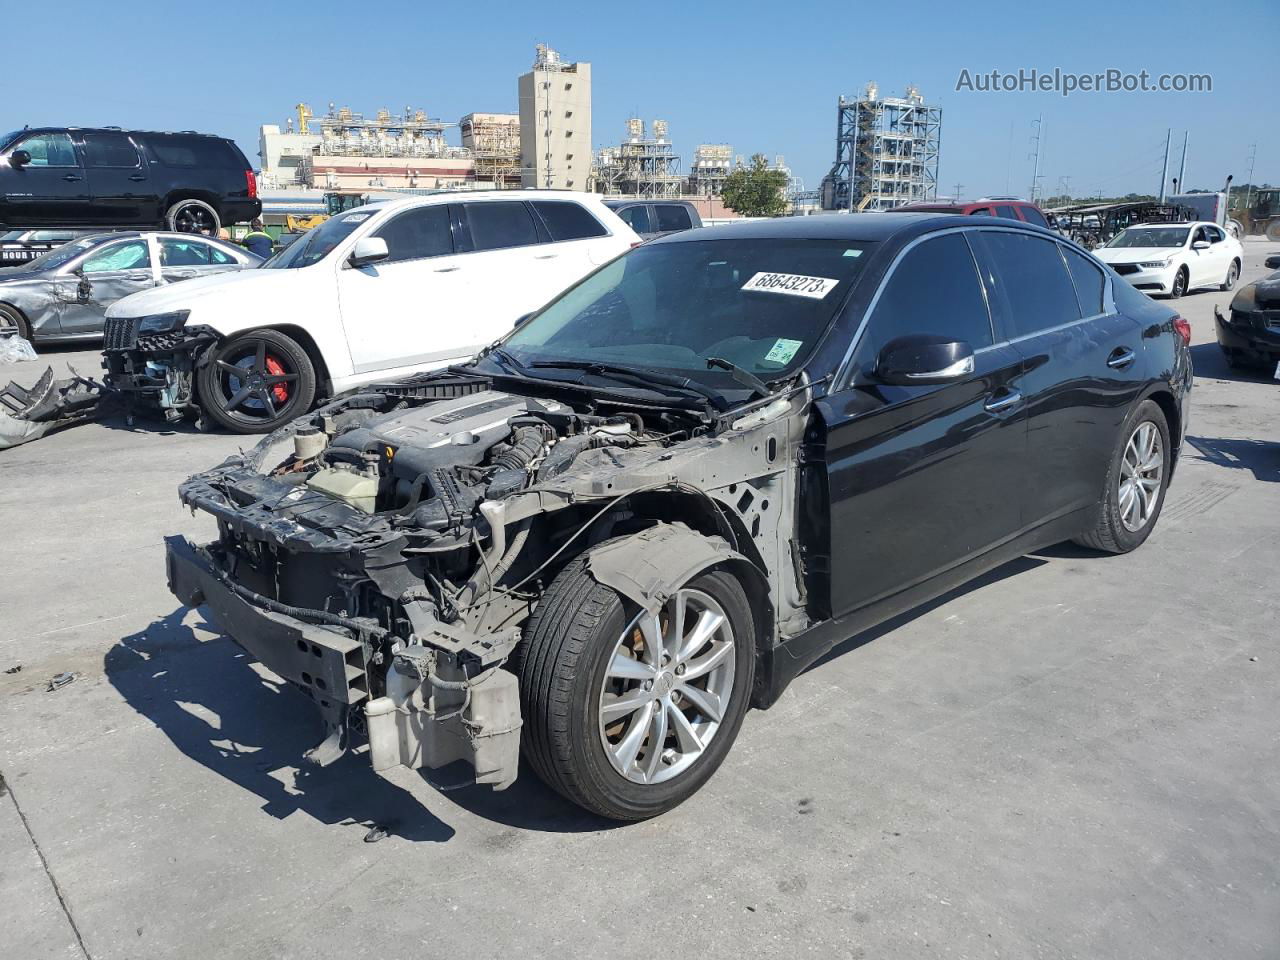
(1261, 457)
(1010, 569)
(208, 699)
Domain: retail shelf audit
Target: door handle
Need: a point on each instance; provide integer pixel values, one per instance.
(1004, 401)
(445, 269)
(1120, 358)
(71, 177)
(137, 178)
(546, 256)
(139, 276)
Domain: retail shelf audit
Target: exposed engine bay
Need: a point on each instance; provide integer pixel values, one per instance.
(385, 564)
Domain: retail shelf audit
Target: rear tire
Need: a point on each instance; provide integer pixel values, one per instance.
(11, 318)
(1125, 521)
(256, 382)
(575, 698)
(193, 216)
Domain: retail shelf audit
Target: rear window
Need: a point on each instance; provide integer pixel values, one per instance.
(1031, 289)
(566, 220)
(1006, 211)
(209, 152)
(672, 217)
(500, 224)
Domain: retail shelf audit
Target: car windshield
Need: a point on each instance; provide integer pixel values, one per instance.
(318, 242)
(1150, 237)
(63, 254)
(11, 236)
(761, 304)
(8, 138)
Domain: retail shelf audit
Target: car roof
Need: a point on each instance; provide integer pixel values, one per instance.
(864, 227)
(126, 130)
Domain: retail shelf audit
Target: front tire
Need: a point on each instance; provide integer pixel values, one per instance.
(193, 216)
(1179, 284)
(256, 382)
(1136, 482)
(627, 714)
(11, 318)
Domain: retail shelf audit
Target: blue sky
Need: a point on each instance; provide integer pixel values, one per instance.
(761, 76)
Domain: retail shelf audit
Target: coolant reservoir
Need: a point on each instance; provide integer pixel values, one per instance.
(357, 489)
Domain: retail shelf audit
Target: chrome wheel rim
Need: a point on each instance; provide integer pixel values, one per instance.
(667, 688)
(1141, 472)
(192, 218)
(1232, 273)
(1179, 285)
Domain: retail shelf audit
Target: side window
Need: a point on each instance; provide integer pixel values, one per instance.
(183, 253)
(1215, 235)
(500, 224)
(934, 289)
(980, 212)
(109, 150)
(1089, 280)
(1028, 284)
(119, 256)
(1032, 215)
(418, 233)
(1006, 211)
(50, 150)
(637, 218)
(220, 257)
(566, 220)
(672, 216)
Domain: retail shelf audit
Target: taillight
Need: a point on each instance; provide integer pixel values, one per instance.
(252, 183)
(1183, 328)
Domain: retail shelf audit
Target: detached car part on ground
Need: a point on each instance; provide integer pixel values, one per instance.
(678, 485)
(381, 291)
(1249, 333)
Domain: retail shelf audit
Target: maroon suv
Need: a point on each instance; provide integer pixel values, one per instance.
(991, 207)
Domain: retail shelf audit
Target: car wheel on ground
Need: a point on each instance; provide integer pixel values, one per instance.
(1179, 284)
(257, 382)
(11, 319)
(1135, 484)
(193, 216)
(1233, 274)
(625, 713)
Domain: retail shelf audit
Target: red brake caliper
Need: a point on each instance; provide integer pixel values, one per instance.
(279, 390)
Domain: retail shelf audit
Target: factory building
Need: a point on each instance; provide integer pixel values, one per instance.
(712, 163)
(494, 142)
(555, 122)
(886, 152)
(640, 166)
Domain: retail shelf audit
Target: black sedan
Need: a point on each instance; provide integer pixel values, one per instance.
(64, 294)
(1249, 334)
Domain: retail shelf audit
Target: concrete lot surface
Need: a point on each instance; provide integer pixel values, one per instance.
(1077, 756)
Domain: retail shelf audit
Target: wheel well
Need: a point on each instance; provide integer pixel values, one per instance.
(1169, 407)
(313, 353)
(26, 321)
(180, 195)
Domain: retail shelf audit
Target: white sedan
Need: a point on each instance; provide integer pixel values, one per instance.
(373, 294)
(1172, 258)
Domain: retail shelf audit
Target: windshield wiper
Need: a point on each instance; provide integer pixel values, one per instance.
(640, 376)
(744, 377)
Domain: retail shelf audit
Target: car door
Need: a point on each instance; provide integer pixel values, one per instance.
(922, 478)
(183, 258)
(108, 273)
(50, 189)
(1220, 255)
(513, 269)
(1084, 363)
(413, 308)
(637, 218)
(576, 246)
(119, 182)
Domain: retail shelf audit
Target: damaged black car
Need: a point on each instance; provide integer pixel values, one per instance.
(679, 484)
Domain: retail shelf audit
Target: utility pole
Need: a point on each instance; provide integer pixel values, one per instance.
(1248, 190)
(1035, 173)
(1182, 167)
(1064, 187)
(959, 187)
(1164, 175)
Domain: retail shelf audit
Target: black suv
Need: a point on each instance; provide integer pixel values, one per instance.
(81, 177)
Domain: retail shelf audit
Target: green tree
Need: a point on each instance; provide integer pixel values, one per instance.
(755, 190)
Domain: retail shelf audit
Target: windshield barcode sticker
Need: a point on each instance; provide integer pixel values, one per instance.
(792, 284)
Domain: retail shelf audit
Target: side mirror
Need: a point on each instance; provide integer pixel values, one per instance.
(1273, 263)
(19, 158)
(1200, 245)
(368, 250)
(923, 359)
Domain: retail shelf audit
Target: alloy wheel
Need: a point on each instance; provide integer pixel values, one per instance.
(194, 218)
(253, 384)
(1179, 284)
(667, 688)
(1141, 474)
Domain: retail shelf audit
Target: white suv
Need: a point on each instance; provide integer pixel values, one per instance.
(375, 293)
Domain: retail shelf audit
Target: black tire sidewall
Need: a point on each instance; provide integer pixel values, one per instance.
(301, 397)
(1125, 538)
(610, 793)
(13, 315)
(1233, 274)
(1174, 292)
(171, 217)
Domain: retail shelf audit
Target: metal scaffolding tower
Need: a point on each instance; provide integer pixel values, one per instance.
(640, 166)
(886, 152)
(712, 163)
